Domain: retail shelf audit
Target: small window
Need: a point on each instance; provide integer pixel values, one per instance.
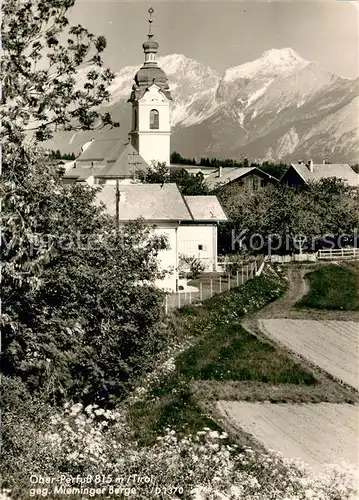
(200, 247)
(154, 119)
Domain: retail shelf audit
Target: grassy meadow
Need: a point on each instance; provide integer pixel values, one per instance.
(334, 287)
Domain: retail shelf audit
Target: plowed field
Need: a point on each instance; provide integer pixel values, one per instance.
(332, 345)
(318, 434)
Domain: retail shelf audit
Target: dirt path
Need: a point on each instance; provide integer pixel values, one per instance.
(285, 306)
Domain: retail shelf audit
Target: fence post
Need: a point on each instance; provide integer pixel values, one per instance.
(247, 272)
(200, 291)
(237, 278)
(220, 284)
(242, 275)
(179, 300)
(229, 281)
(190, 297)
(211, 287)
(166, 304)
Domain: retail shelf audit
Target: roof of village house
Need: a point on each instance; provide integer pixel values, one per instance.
(324, 171)
(230, 174)
(205, 208)
(159, 202)
(153, 202)
(106, 159)
(194, 169)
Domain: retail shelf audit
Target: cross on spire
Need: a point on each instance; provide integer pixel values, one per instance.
(150, 21)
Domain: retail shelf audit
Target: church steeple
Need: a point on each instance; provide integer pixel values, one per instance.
(150, 47)
(150, 73)
(150, 98)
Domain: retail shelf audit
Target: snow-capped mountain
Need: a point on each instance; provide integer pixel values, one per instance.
(277, 107)
(192, 85)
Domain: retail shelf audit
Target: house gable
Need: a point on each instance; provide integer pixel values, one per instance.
(292, 178)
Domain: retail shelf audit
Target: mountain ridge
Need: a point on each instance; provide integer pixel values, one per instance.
(274, 107)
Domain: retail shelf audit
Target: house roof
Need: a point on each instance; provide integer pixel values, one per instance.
(205, 208)
(230, 174)
(153, 202)
(159, 202)
(194, 169)
(107, 159)
(324, 171)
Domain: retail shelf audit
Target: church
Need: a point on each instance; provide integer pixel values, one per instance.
(189, 222)
(105, 161)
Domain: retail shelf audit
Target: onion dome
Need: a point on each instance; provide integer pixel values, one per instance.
(150, 73)
(150, 46)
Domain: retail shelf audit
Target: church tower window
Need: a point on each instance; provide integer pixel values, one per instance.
(154, 119)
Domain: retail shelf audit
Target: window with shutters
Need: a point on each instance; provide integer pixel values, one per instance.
(154, 119)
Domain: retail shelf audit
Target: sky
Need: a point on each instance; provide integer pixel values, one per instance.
(225, 34)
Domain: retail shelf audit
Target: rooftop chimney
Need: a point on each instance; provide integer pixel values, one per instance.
(311, 166)
(220, 171)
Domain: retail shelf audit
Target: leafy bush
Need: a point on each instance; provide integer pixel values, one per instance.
(76, 321)
(236, 261)
(23, 419)
(192, 267)
(81, 317)
(189, 184)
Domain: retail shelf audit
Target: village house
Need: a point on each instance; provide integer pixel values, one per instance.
(301, 173)
(249, 177)
(194, 169)
(189, 223)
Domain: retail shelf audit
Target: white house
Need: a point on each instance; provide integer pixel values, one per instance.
(164, 208)
(198, 238)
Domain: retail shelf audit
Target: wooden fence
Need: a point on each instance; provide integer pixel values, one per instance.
(300, 257)
(211, 284)
(330, 254)
(339, 253)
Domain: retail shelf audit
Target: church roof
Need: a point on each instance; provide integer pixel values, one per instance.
(101, 150)
(324, 171)
(107, 159)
